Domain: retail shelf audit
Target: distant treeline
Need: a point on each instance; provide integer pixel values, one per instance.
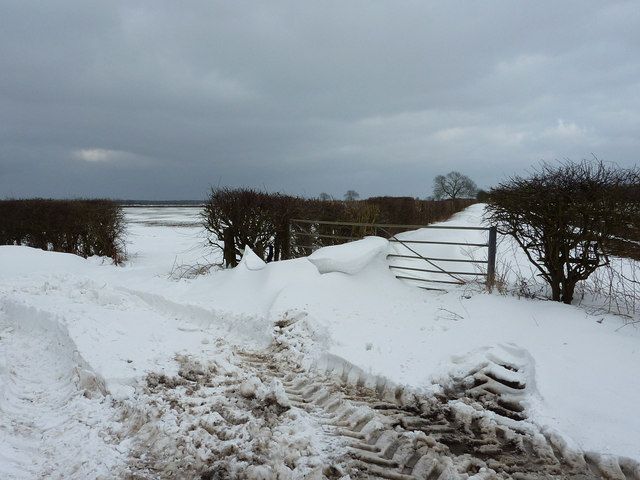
(160, 203)
(262, 220)
(81, 227)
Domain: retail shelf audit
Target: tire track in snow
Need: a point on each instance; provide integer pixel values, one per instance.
(217, 420)
(476, 428)
(52, 409)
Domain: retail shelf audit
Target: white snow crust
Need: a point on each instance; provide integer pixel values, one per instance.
(350, 257)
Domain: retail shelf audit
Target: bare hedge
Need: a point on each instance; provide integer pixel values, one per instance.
(413, 211)
(262, 220)
(81, 227)
(250, 217)
(569, 218)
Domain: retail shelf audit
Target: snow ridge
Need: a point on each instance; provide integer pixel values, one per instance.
(53, 413)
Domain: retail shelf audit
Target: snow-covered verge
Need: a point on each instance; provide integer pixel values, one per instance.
(51, 402)
(95, 360)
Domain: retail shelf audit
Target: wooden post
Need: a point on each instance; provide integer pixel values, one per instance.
(491, 257)
(229, 252)
(285, 253)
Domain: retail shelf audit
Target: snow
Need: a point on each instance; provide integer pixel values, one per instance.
(79, 338)
(55, 409)
(587, 382)
(350, 257)
(251, 261)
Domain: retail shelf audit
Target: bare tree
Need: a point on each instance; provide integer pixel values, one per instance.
(351, 195)
(568, 218)
(324, 196)
(453, 185)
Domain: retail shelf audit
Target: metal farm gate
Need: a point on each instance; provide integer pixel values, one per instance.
(412, 259)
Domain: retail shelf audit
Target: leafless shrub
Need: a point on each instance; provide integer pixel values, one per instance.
(515, 278)
(179, 272)
(248, 217)
(615, 288)
(566, 218)
(81, 227)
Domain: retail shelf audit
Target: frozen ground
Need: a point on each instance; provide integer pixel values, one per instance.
(125, 371)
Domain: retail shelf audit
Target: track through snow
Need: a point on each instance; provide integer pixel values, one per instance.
(263, 415)
(52, 408)
(476, 430)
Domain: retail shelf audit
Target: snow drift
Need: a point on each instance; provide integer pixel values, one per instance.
(349, 258)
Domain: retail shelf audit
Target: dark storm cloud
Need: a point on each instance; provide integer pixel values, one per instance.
(162, 99)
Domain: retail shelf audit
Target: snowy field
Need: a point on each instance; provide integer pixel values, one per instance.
(132, 372)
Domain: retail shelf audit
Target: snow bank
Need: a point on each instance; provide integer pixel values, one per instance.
(52, 409)
(251, 261)
(16, 261)
(349, 258)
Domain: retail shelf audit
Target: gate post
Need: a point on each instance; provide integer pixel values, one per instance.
(229, 251)
(491, 257)
(285, 253)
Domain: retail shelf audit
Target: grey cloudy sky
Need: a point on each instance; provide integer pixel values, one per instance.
(161, 99)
